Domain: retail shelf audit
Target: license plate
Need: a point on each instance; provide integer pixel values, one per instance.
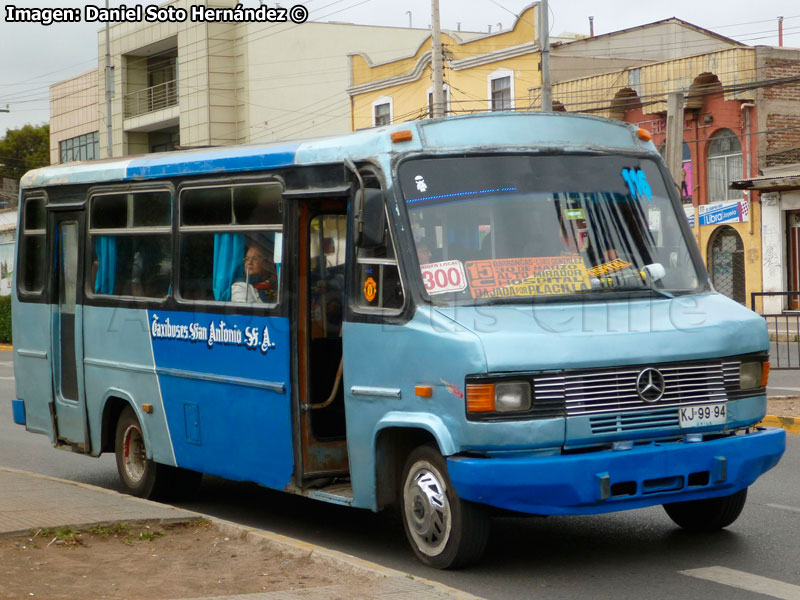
(702, 415)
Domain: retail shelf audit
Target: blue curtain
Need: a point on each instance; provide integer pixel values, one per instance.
(105, 248)
(228, 255)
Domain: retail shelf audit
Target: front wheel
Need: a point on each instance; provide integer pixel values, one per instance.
(707, 515)
(444, 531)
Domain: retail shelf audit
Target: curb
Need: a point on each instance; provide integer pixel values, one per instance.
(6, 348)
(335, 558)
(790, 424)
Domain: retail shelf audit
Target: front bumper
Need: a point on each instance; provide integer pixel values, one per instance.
(608, 480)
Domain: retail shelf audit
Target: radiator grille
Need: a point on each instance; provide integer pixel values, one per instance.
(612, 392)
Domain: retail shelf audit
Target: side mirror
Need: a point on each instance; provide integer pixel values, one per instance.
(371, 219)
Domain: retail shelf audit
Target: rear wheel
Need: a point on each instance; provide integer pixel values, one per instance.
(444, 531)
(143, 477)
(707, 515)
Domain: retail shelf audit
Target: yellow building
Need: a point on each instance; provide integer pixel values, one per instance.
(483, 72)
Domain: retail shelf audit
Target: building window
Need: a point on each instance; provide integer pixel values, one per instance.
(445, 97)
(83, 147)
(501, 90)
(724, 165)
(382, 112)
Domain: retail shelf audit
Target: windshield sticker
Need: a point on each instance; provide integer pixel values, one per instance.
(609, 267)
(636, 179)
(370, 289)
(575, 214)
(441, 277)
(533, 276)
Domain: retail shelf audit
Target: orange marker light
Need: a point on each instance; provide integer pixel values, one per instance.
(764, 374)
(423, 391)
(148, 408)
(480, 397)
(404, 135)
(644, 134)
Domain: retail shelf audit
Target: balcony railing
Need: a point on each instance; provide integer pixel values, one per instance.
(153, 98)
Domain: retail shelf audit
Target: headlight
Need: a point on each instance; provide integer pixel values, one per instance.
(512, 396)
(753, 375)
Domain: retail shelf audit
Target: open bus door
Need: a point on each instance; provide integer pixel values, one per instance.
(69, 406)
(322, 247)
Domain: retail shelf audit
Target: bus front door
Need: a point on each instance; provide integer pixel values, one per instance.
(322, 250)
(67, 334)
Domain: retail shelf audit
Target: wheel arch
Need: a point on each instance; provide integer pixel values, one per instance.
(114, 402)
(395, 437)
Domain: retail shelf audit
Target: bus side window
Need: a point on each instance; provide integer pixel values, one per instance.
(33, 246)
(377, 277)
(231, 243)
(130, 238)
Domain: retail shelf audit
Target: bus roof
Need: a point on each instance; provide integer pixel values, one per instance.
(498, 131)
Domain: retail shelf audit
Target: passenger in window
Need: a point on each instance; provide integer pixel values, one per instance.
(260, 281)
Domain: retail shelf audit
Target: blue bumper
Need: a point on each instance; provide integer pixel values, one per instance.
(18, 410)
(607, 481)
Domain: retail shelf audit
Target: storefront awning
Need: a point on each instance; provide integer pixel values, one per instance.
(769, 183)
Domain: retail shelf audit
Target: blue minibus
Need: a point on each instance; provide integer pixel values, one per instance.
(467, 317)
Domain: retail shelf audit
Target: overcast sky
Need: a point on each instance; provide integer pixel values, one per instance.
(36, 56)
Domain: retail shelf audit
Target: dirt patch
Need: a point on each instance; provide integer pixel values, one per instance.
(783, 406)
(195, 560)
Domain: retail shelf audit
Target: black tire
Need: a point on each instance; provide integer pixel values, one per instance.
(444, 531)
(707, 515)
(145, 478)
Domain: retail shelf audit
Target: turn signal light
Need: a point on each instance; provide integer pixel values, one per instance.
(764, 374)
(423, 391)
(480, 397)
(644, 134)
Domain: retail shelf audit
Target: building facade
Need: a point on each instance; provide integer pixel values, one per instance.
(189, 84)
(498, 71)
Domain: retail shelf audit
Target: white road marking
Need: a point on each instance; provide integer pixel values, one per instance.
(783, 389)
(747, 581)
(8, 377)
(792, 508)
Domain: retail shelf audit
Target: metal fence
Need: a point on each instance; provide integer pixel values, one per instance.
(152, 98)
(784, 331)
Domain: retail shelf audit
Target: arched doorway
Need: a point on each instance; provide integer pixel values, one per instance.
(726, 263)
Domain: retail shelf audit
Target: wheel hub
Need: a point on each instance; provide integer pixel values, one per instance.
(427, 510)
(134, 457)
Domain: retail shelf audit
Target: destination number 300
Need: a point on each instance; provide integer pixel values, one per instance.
(444, 277)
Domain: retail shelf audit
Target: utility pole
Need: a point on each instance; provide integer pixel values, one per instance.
(674, 151)
(544, 44)
(438, 80)
(109, 83)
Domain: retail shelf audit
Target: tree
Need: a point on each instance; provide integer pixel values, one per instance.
(24, 149)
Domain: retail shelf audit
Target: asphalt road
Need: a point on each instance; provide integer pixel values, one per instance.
(622, 556)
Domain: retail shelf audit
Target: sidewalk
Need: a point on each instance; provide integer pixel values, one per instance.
(31, 502)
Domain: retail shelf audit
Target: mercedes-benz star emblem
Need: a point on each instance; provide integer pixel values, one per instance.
(650, 385)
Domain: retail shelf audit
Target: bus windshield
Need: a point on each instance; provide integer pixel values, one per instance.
(513, 227)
